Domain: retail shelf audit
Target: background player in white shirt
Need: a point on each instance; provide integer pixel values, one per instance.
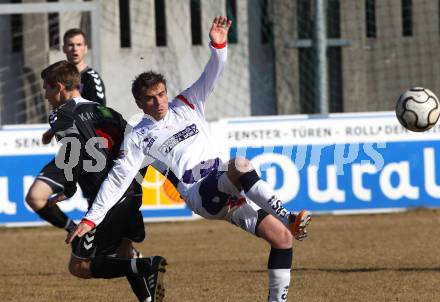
(176, 135)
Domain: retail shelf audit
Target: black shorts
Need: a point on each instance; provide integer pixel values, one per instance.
(124, 220)
(53, 176)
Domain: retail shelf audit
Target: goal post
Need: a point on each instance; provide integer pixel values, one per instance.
(27, 48)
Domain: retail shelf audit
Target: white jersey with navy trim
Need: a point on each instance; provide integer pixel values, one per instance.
(180, 141)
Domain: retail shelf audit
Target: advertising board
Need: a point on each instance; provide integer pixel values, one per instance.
(340, 163)
(22, 155)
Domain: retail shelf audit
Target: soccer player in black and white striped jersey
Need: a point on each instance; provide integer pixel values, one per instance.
(76, 47)
(90, 132)
(49, 180)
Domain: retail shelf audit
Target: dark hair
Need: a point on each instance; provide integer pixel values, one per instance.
(74, 32)
(145, 81)
(62, 72)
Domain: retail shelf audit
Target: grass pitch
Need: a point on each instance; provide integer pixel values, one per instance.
(384, 257)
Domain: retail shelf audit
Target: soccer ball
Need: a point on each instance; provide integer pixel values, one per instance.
(418, 109)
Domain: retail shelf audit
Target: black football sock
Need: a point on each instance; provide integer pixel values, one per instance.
(280, 258)
(139, 286)
(54, 216)
(111, 267)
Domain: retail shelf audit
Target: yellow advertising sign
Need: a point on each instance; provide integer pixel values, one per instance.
(158, 191)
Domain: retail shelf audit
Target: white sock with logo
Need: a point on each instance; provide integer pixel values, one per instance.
(263, 195)
(258, 191)
(279, 281)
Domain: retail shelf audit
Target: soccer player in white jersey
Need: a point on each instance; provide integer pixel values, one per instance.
(176, 134)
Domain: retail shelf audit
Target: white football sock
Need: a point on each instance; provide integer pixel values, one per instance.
(263, 195)
(279, 281)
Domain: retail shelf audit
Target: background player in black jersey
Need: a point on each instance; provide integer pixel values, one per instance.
(91, 135)
(75, 47)
(50, 180)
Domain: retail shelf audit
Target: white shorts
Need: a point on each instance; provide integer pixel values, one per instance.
(244, 216)
(210, 203)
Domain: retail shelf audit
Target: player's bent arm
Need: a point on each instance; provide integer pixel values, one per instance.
(72, 162)
(117, 182)
(47, 136)
(198, 92)
(70, 154)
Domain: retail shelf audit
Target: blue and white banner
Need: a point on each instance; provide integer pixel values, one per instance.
(363, 162)
(343, 163)
(22, 155)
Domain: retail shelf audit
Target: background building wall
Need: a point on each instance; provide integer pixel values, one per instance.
(286, 62)
(179, 61)
(375, 70)
(367, 73)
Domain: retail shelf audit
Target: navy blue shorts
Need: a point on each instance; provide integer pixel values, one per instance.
(53, 176)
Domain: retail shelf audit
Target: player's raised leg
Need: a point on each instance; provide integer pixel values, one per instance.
(241, 175)
(37, 198)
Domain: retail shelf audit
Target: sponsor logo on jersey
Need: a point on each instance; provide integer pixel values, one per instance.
(177, 138)
(150, 141)
(88, 116)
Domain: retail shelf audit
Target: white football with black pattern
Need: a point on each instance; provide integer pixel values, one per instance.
(418, 109)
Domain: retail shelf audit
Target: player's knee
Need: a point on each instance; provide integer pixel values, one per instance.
(34, 201)
(38, 194)
(29, 199)
(80, 269)
(284, 240)
(275, 233)
(242, 164)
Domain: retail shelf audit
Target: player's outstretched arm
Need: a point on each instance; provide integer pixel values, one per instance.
(119, 178)
(219, 29)
(199, 91)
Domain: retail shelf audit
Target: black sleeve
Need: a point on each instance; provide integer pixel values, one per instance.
(122, 121)
(93, 89)
(70, 155)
